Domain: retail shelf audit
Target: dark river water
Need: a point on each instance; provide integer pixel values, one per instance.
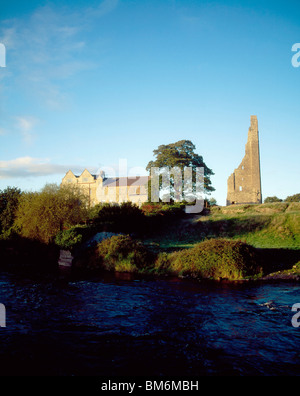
(107, 326)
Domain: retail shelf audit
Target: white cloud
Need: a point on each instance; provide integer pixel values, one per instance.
(32, 167)
(26, 125)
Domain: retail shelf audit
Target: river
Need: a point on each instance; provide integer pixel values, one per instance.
(113, 326)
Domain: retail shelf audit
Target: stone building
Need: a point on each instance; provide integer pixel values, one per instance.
(244, 184)
(114, 190)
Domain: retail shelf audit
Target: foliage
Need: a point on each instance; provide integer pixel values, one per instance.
(19, 253)
(126, 217)
(182, 155)
(159, 217)
(272, 199)
(162, 209)
(72, 237)
(120, 253)
(129, 218)
(41, 215)
(293, 198)
(162, 263)
(9, 200)
(212, 202)
(213, 259)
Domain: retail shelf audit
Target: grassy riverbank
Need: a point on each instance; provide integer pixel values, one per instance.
(236, 242)
(211, 259)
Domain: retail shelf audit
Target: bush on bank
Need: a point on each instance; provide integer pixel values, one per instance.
(212, 259)
(125, 217)
(71, 238)
(120, 253)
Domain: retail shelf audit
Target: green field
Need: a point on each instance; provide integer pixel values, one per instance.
(272, 226)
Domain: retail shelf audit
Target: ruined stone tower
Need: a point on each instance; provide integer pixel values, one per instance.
(244, 184)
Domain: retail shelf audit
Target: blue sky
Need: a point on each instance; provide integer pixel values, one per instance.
(88, 83)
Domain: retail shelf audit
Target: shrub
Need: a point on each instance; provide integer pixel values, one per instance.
(73, 237)
(158, 215)
(293, 198)
(162, 263)
(297, 266)
(272, 199)
(126, 217)
(120, 253)
(152, 209)
(216, 258)
(162, 209)
(18, 253)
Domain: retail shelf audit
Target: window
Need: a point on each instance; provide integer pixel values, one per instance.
(135, 190)
(85, 180)
(241, 188)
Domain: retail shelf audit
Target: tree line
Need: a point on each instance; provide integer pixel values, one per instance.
(290, 198)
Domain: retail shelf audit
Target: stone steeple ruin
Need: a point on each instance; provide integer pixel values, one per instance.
(244, 184)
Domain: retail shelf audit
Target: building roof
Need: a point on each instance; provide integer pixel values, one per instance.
(118, 181)
(124, 181)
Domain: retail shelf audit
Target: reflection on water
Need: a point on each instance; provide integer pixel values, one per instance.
(110, 326)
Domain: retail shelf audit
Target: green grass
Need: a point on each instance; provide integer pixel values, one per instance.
(263, 226)
(274, 225)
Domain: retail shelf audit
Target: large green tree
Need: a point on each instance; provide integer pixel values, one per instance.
(41, 215)
(181, 155)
